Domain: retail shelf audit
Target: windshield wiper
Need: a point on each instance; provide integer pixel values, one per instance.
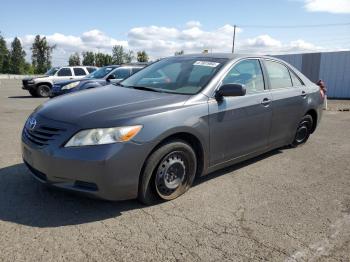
(146, 88)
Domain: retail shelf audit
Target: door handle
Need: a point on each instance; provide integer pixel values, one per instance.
(266, 101)
(303, 94)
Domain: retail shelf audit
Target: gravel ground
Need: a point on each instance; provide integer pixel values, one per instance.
(287, 205)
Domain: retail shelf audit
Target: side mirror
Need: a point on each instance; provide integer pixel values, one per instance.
(230, 90)
(110, 77)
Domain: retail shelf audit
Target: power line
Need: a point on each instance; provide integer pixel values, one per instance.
(293, 26)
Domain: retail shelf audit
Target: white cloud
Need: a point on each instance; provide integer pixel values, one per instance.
(265, 44)
(161, 41)
(164, 41)
(330, 6)
(263, 41)
(94, 40)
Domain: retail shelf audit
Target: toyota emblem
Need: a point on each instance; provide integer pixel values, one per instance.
(32, 123)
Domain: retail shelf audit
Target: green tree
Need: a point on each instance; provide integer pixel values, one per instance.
(179, 52)
(142, 56)
(103, 59)
(29, 69)
(17, 57)
(4, 56)
(74, 59)
(41, 54)
(88, 58)
(118, 55)
(128, 57)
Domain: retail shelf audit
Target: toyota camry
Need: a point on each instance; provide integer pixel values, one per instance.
(151, 135)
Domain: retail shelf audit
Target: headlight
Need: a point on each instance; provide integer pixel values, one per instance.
(71, 85)
(101, 136)
(31, 81)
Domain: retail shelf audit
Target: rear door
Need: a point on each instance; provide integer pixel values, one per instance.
(79, 72)
(240, 125)
(289, 101)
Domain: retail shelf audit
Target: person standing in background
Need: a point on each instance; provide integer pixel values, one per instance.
(323, 88)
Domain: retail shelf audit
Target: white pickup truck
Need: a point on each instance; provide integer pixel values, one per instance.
(41, 86)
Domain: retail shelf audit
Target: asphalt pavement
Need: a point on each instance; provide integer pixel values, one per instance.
(286, 205)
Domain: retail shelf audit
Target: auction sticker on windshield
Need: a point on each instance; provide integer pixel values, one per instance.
(206, 63)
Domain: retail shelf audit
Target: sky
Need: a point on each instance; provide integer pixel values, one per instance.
(161, 27)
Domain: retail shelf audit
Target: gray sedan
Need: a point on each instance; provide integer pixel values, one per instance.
(149, 136)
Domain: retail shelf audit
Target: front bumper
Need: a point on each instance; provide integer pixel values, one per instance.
(28, 86)
(109, 172)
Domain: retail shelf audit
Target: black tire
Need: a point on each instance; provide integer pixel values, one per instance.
(168, 172)
(43, 91)
(33, 93)
(303, 131)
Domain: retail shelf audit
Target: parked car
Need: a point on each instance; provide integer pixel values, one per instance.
(41, 86)
(101, 77)
(148, 139)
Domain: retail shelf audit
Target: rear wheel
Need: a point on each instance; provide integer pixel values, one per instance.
(43, 91)
(303, 131)
(168, 173)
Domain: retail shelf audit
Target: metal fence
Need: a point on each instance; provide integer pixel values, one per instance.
(332, 67)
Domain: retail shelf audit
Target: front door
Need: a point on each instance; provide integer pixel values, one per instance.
(240, 125)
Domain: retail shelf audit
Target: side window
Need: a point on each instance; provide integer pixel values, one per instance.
(247, 73)
(64, 72)
(135, 69)
(121, 73)
(278, 74)
(91, 69)
(296, 81)
(78, 71)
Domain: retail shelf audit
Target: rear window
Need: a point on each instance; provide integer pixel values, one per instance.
(79, 71)
(295, 79)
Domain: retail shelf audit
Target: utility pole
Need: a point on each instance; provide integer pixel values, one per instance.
(234, 38)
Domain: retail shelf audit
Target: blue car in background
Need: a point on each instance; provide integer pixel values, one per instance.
(101, 77)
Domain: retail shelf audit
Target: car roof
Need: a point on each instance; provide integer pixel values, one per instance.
(225, 55)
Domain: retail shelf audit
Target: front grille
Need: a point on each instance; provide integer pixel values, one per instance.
(42, 135)
(25, 82)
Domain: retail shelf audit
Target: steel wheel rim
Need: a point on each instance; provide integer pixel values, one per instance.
(171, 174)
(44, 91)
(302, 132)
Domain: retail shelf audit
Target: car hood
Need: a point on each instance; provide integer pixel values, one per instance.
(103, 107)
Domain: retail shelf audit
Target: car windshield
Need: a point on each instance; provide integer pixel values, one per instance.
(52, 71)
(180, 75)
(101, 73)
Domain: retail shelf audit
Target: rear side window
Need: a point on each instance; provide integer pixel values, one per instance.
(296, 81)
(79, 71)
(64, 72)
(278, 74)
(121, 73)
(247, 73)
(91, 69)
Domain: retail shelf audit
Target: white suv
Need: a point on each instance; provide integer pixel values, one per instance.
(41, 86)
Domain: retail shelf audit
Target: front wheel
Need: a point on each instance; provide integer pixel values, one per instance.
(43, 91)
(168, 172)
(303, 131)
